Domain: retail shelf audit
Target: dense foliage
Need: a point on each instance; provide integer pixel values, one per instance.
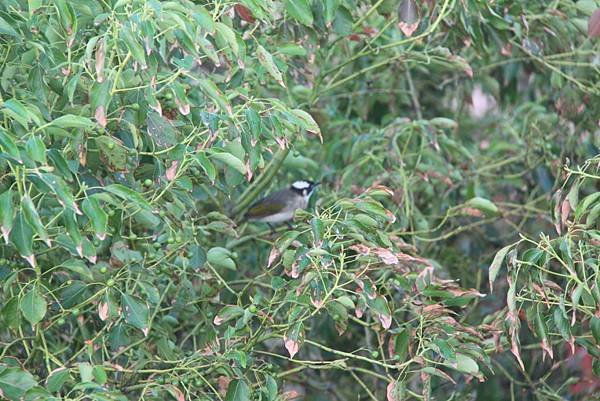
(451, 251)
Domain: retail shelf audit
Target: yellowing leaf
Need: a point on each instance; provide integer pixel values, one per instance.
(496, 264)
(266, 60)
(308, 122)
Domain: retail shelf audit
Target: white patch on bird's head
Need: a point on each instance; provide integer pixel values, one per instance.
(300, 185)
(303, 187)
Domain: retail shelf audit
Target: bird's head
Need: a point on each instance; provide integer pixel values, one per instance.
(304, 187)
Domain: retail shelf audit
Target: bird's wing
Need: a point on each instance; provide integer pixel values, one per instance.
(272, 204)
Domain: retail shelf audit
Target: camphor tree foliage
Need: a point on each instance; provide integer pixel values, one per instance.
(451, 252)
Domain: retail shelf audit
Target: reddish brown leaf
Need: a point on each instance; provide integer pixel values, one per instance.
(386, 256)
(386, 320)
(292, 346)
(103, 311)
(594, 24)
(408, 15)
(223, 384)
(408, 29)
(547, 348)
(370, 31)
(557, 211)
(273, 255)
(565, 208)
(184, 108)
(469, 211)
(177, 393)
(249, 172)
(100, 57)
(394, 391)
(101, 116)
(244, 13)
(292, 395)
(317, 303)
(172, 171)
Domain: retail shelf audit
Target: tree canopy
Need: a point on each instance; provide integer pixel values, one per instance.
(450, 252)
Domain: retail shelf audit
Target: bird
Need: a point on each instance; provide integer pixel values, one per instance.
(279, 207)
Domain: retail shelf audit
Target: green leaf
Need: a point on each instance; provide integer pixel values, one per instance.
(14, 382)
(343, 22)
(292, 49)
(10, 313)
(227, 313)
(198, 257)
(254, 122)
(562, 323)
(136, 49)
(112, 153)
(430, 370)
(62, 191)
(496, 264)
(67, 16)
(121, 252)
(380, 307)
(207, 166)
(238, 390)
(331, 7)
(308, 123)
(466, 364)
(346, 301)
(100, 97)
(595, 326)
(57, 379)
(210, 89)
(401, 344)
(72, 226)
(99, 374)
(8, 145)
(21, 236)
(484, 205)
(271, 385)
(227, 35)
(34, 5)
(19, 112)
(209, 50)
(98, 217)
(59, 162)
(78, 266)
(300, 11)
(85, 372)
(230, 160)
(31, 215)
(266, 60)
(585, 204)
(220, 257)
(136, 312)
(6, 213)
(147, 219)
(73, 121)
(204, 19)
(36, 149)
(127, 194)
(33, 306)
(444, 122)
(160, 130)
(7, 29)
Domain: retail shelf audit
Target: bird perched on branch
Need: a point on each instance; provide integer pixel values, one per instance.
(279, 207)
